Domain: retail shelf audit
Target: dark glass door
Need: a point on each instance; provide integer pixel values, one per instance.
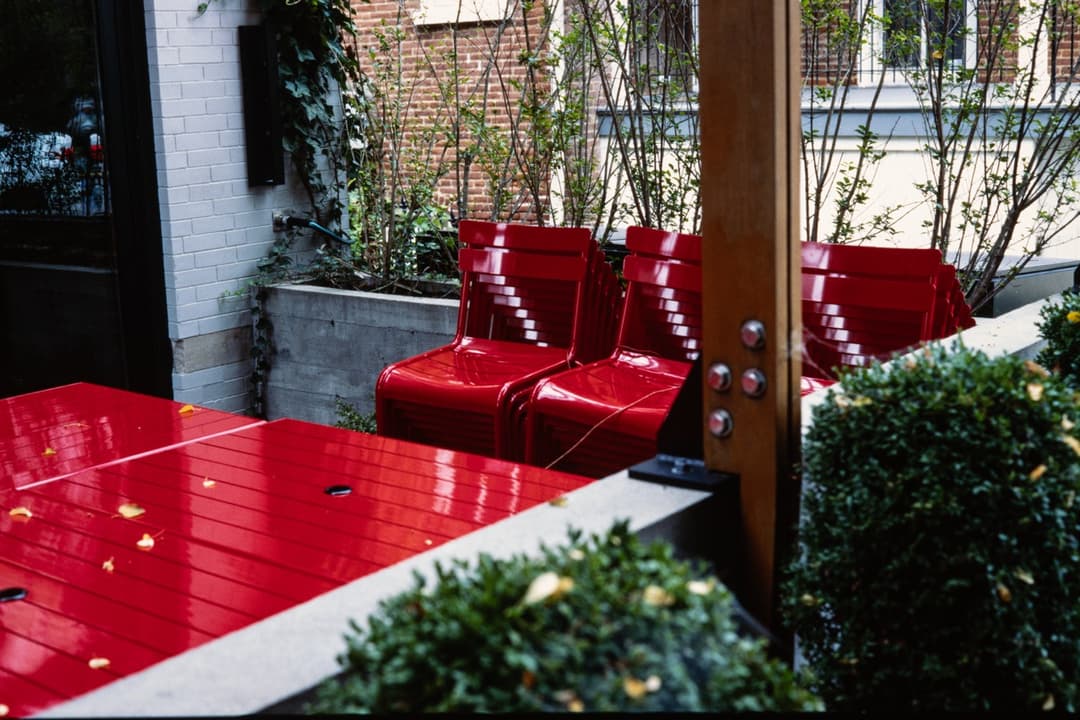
(81, 285)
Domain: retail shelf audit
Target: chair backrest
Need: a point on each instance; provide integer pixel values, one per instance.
(522, 283)
(860, 303)
(662, 309)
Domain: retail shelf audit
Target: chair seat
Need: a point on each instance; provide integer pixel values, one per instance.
(473, 372)
(623, 383)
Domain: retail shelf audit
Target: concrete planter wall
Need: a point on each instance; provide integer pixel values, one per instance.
(331, 343)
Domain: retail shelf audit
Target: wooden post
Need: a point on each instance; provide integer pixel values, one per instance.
(749, 180)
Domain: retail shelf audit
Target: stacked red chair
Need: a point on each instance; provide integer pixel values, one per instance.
(951, 311)
(525, 312)
(599, 418)
(863, 303)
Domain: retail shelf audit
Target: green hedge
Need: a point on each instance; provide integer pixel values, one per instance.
(601, 624)
(939, 563)
(1059, 325)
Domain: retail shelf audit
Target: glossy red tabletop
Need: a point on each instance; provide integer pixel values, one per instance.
(132, 563)
(53, 433)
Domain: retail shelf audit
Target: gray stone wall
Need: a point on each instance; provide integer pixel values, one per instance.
(329, 343)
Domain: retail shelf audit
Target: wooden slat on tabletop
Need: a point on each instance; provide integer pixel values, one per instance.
(52, 433)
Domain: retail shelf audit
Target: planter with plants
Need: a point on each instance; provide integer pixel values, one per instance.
(939, 558)
(604, 623)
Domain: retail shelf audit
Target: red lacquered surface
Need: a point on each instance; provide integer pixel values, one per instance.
(242, 529)
(604, 416)
(53, 433)
(521, 317)
(861, 303)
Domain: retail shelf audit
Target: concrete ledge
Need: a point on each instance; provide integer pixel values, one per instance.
(329, 343)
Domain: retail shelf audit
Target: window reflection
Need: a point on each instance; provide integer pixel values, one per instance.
(51, 132)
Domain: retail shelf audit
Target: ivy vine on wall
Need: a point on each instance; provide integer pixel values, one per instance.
(314, 60)
(314, 64)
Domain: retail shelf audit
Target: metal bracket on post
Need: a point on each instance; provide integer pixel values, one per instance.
(680, 445)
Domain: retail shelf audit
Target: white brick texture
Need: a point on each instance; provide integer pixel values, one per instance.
(214, 227)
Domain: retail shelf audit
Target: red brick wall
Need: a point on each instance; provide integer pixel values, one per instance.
(823, 62)
(1064, 51)
(427, 53)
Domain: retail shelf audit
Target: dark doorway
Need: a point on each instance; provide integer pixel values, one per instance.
(81, 276)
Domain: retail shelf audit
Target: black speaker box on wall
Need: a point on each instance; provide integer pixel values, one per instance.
(262, 112)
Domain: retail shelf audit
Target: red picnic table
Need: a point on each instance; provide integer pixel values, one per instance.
(135, 528)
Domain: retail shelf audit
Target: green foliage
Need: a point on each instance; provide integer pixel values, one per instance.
(601, 624)
(987, 109)
(835, 41)
(1059, 325)
(352, 419)
(939, 564)
(313, 64)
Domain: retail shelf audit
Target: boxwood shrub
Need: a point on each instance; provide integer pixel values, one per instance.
(939, 565)
(602, 624)
(1059, 325)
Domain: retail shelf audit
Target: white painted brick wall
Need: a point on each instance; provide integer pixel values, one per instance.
(215, 228)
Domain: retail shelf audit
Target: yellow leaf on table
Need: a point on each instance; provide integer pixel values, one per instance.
(146, 542)
(48, 452)
(208, 483)
(558, 502)
(131, 510)
(21, 513)
(187, 409)
(98, 663)
(634, 688)
(109, 565)
(4, 710)
(657, 596)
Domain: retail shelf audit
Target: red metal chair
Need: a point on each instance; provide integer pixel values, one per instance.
(605, 415)
(522, 310)
(862, 303)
